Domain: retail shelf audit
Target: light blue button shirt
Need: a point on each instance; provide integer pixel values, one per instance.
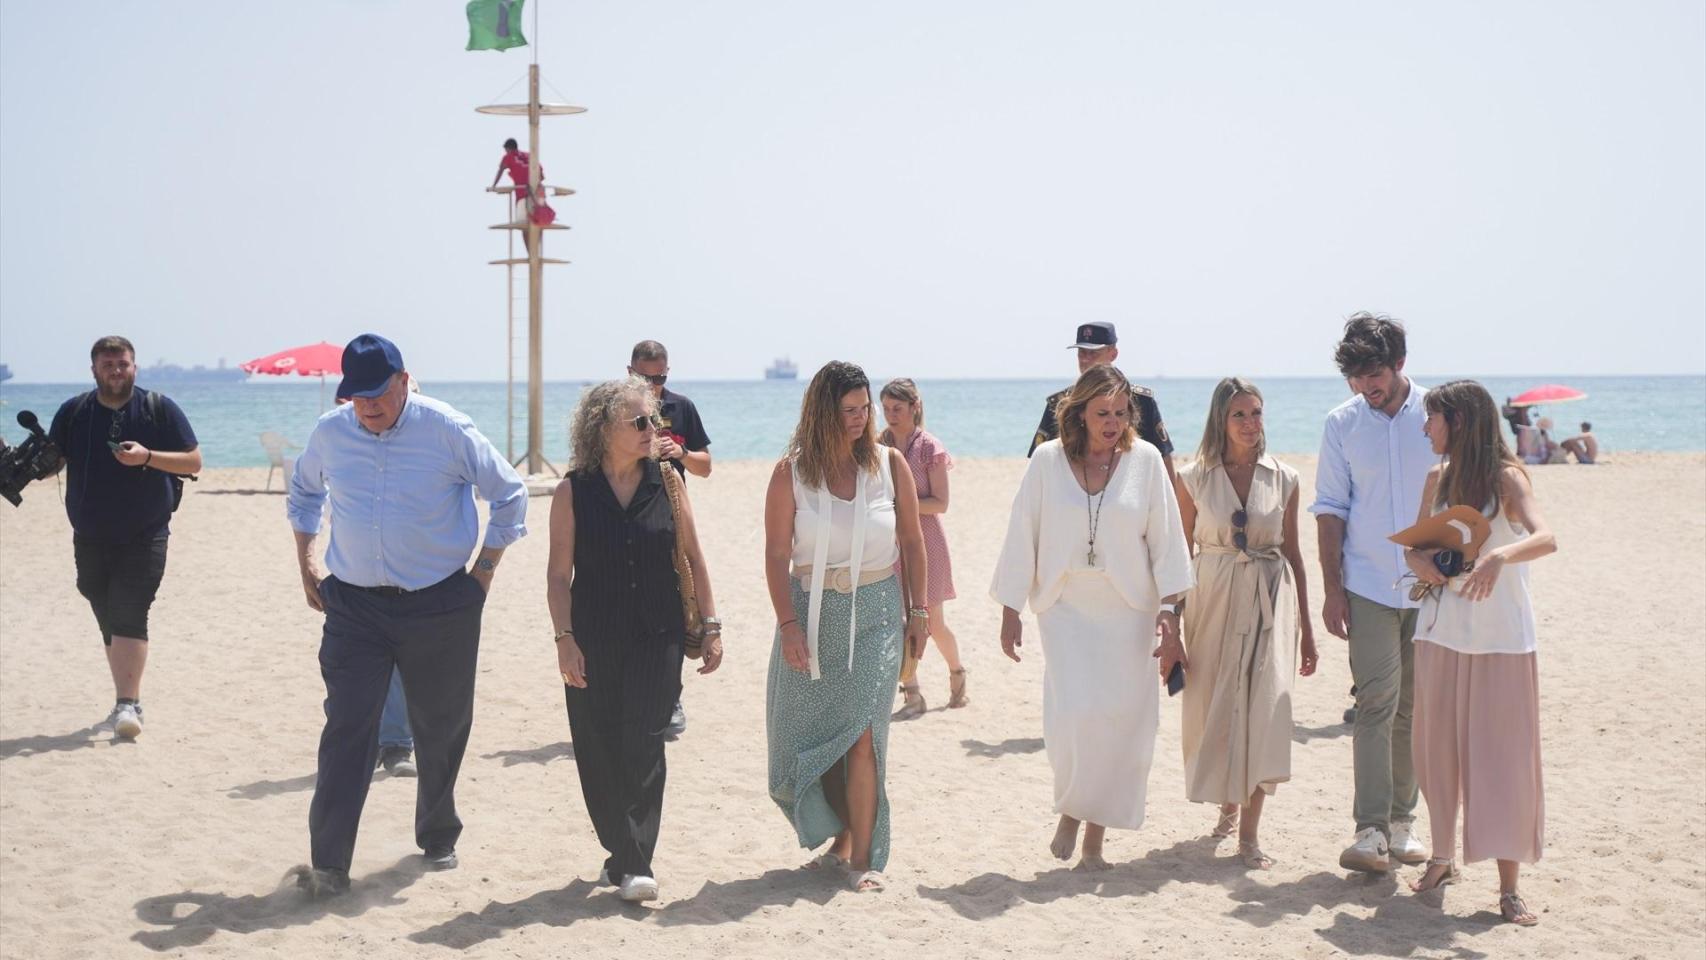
(1370, 474)
(403, 501)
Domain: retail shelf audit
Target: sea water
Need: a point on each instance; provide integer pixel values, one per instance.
(973, 418)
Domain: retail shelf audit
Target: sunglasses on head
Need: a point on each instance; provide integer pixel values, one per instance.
(1240, 520)
(644, 422)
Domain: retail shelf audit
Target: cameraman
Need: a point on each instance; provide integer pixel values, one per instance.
(123, 446)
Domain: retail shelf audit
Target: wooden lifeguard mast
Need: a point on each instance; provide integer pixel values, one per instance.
(535, 261)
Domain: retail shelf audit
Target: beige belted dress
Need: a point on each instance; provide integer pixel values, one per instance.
(1241, 636)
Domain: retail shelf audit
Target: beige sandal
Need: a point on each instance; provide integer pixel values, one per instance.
(864, 881)
(914, 707)
(1514, 910)
(1449, 876)
(957, 689)
(1253, 857)
(1227, 825)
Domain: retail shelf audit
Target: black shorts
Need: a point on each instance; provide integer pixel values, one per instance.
(119, 580)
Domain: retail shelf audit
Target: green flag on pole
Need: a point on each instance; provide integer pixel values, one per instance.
(495, 24)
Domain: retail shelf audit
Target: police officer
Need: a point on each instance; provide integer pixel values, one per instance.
(1097, 344)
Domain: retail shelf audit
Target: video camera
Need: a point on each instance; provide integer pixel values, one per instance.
(34, 459)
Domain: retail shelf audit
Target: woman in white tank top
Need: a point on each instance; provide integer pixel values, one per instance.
(840, 509)
(1476, 728)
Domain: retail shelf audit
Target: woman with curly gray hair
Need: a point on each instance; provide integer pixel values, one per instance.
(615, 602)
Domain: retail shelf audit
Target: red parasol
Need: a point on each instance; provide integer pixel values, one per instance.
(314, 360)
(1551, 393)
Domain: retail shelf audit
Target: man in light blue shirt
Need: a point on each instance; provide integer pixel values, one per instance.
(400, 472)
(1368, 486)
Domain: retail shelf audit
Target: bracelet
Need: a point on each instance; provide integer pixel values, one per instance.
(150, 458)
(919, 613)
(786, 622)
(565, 632)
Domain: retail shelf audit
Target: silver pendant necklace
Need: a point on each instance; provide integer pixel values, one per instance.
(1094, 519)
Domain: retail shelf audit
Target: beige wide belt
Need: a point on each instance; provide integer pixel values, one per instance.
(840, 579)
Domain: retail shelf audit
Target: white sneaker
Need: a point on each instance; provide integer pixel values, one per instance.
(1368, 853)
(1404, 846)
(638, 889)
(127, 720)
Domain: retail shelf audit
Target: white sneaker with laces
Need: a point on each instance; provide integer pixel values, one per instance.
(127, 720)
(1368, 853)
(1404, 846)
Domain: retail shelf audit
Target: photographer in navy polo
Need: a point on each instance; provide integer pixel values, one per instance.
(127, 450)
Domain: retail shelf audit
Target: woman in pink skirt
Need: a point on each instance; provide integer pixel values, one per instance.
(903, 411)
(1476, 733)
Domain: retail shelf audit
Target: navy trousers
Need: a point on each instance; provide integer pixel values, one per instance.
(432, 638)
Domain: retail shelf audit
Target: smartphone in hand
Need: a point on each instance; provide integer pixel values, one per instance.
(1175, 679)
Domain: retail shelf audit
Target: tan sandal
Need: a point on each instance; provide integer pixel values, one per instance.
(957, 689)
(1253, 857)
(1227, 825)
(913, 707)
(865, 881)
(1448, 876)
(1514, 910)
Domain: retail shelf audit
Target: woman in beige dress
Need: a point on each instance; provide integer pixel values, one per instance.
(1241, 622)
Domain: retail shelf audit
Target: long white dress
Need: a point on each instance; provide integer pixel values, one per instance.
(1101, 695)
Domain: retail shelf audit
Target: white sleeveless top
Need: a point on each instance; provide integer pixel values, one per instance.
(1502, 623)
(829, 533)
(879, 551)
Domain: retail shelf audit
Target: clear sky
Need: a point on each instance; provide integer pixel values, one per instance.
(958, 182)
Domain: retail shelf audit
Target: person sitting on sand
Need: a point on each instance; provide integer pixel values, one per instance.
(1476, 739)
(840, 509)
(1584, 446)
(1095, 546)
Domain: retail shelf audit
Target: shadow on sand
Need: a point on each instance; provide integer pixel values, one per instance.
(715, 903)
(284, 907)
(57, 743)
(563, 750)
(980, 748)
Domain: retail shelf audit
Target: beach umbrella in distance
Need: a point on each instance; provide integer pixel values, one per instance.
(1550, 393)
(313, 360)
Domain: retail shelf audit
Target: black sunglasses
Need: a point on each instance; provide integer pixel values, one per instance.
(655, 379)
(117, 425)
(644, 422)
(1240, 520)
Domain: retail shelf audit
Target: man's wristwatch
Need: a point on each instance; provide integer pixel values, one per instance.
(1176, 609)
(485, 565)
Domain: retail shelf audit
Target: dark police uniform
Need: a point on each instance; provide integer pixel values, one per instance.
(678, 416)
(1094, 336)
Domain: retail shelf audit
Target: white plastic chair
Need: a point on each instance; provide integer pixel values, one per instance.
(275, 444)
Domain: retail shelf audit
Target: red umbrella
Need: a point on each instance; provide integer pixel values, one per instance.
(314, 360)
(1551, 393)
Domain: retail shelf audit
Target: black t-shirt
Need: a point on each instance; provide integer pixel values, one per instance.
(681, 418)
(107, 501)
(1149, 425)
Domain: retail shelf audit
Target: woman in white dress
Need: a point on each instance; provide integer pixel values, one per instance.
(1096, 547)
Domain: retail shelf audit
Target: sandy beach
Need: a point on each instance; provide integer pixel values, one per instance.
(175, 844)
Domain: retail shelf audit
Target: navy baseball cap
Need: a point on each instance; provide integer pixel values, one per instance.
(370, 360)
(1095, 335)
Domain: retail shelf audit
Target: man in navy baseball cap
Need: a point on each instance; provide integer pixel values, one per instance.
(370, 361)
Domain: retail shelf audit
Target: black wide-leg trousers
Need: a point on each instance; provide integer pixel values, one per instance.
(618, 723)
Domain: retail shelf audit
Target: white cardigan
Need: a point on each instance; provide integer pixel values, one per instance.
(1140, 540)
